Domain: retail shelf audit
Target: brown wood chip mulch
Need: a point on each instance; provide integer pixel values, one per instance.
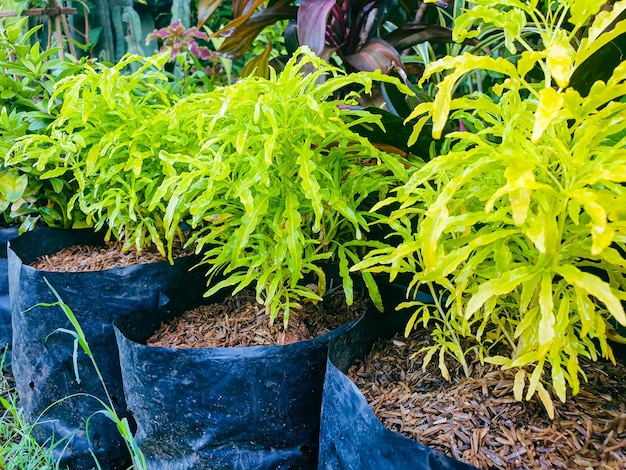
(81, 258)
(240, 321)
(478, 421)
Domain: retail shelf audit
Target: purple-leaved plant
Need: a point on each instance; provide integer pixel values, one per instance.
(187, 48)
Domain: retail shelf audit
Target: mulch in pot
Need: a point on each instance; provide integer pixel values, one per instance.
(240, 320)
(82, 258)
(478, 421)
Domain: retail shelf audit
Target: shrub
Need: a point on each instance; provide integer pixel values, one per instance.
(278, 185)
(27, 108)
(518, 225)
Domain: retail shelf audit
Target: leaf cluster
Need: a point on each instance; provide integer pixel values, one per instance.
(105, 143)
(26, 108)
(355, 33)
(519, 224)
(278, 185)
(268, 173)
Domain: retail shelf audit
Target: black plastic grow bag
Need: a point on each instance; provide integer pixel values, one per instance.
(351, 436)
(222, 408)
(43, 363)
(6, 234)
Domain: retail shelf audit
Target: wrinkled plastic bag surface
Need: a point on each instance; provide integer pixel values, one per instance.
(351, 436)
(222, 408)
(43, 362)
(6, 234)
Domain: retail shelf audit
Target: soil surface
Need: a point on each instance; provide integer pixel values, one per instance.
(241, 321)
(478, 421)
(81, 258)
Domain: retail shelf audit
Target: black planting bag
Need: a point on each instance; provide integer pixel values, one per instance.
(221, 408)
(43, 363)
(351, 436)
(6, 234)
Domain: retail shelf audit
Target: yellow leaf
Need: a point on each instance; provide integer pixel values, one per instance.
(573, 210)
(521, 178)
(596, 287)
(561, 60)
(550, 103)
(409, 325)
(534, 379)
(518, 387)
(599, 32)
(582, 10)
(429, 355)
(457, 67)
(442, 364)
(432, 228)
(501, 285)
(546, 304)
(441, 103)
(545, 399)
(558, 382)
(536, 233)
(601, 238)
(528, 60)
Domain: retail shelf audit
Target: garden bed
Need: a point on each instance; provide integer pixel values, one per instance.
(478, 421)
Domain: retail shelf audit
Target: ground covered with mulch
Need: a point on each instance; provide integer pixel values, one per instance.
(241, 321)
(478, 421)
(82, 258)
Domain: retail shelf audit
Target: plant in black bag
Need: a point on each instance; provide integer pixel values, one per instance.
(277, 187)
(519, 221)
(274, 194)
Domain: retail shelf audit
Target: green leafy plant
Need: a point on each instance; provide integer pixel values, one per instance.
(106, 141)
(518, 227)
(108, 406)
(26, 108)
(18, 448)
(278, 185)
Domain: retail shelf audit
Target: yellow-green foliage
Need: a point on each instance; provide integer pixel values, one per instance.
(277, 186)
(521, 220)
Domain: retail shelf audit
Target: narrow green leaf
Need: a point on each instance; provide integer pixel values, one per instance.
(596, 287)
(344, 272)
(293, 221)
(502, 285)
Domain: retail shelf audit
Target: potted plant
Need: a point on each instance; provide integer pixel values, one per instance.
(274, 193)
(25, 108)
(515, 228)
(105, 143)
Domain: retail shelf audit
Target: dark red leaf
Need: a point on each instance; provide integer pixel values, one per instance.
(375, 55)
(240, 37)
(411, 34)
(312, 21)
(245, 8)
(259, 65)
(206, 8)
